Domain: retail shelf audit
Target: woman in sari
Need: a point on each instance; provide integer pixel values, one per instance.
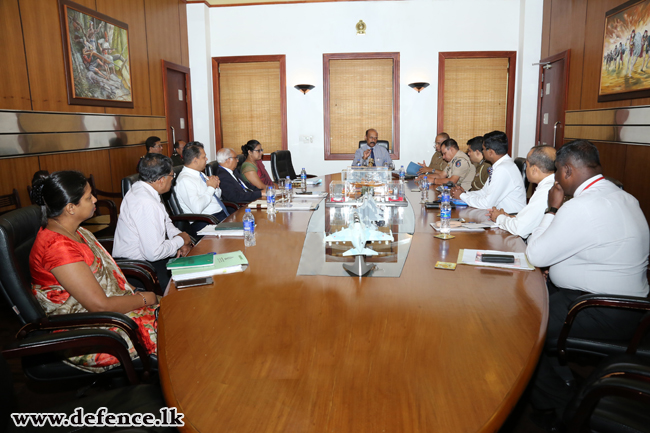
(253, 167)
(73, 273)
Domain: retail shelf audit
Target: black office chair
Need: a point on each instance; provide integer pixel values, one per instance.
(616, 182)
(211, 168)
(129, 399)
(18, 230)
(382, 143)
(615, 398)
(521, 165)
(281, 166)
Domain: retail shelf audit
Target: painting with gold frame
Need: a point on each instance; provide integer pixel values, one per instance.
(97, 57)
(625, 61)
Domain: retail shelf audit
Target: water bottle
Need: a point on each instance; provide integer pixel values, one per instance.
(249, 229)
(289, 190)
(270, 200)
(402, 174)
(303, 180)
(445, 212)
(424, 185)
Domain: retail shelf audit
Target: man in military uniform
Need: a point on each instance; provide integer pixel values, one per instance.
(475, 153)
(437, 161)
(460, 169)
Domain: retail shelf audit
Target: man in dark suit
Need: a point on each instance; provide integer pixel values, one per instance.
(233, 186)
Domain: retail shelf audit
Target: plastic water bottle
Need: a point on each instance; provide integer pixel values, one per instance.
(303, 180)
(270, 200)
(402, 174)
(289, 190)
(249, 229)
(424, 185)
(445, 212)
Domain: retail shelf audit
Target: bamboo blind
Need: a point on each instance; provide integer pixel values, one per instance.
(250, 104)
(361, 98)
(476, 96)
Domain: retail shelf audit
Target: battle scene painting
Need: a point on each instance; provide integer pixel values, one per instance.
(97, 57)
(625, 69)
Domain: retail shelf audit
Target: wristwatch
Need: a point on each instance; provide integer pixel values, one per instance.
(551, 209)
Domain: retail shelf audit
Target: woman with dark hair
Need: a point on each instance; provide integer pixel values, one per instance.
(73, 273)
(253, 167)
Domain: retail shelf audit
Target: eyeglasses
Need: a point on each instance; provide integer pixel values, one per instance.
(157, 146)
(173, 175)
(258, 150)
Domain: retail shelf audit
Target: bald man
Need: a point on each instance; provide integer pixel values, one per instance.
(370, 154)
(540, 169)
(437, 163)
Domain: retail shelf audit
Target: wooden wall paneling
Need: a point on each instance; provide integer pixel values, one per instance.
(635, 181)
(17, 173)
(546, 28)
(124, 162)
(592, 56)
(132, 13)
(14, 90)
(567, 29)
(163, 35)
(43, 45)
(95, 162)
(612, 158)
(182, 12)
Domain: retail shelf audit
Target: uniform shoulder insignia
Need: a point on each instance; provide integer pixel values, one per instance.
(458, 163)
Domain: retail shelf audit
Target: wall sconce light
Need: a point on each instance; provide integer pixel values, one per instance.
(418, 86)
(304, 88)
(361, 28)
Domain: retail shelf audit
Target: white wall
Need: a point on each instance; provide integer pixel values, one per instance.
(418, 30)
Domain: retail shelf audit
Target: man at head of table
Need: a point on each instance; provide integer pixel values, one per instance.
(437, 163)
(370, 154)
(505, 185)
(598, 243)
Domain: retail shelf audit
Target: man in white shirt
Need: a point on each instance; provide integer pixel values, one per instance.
(597, 242)
(196, 192)
(540, 169)
(144, 230)
(505, 185)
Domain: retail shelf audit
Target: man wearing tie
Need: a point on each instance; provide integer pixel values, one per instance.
(233, 187)
(196, 192)
(370, 154)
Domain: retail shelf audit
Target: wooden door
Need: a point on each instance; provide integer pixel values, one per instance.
(554, 78)
(178, 104)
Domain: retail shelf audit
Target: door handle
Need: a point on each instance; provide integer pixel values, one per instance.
(173, 135)
(555, 132)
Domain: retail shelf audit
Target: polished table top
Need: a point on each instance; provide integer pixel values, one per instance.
(432, 351)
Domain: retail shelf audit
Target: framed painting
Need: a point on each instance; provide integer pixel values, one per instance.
(97, 57)
(625, 67)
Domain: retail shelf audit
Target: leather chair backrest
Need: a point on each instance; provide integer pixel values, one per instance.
(211, 168)
(18, 230)
(281, 165)
(521, 165)
(383, 143)
(128, 182)
(240, 160)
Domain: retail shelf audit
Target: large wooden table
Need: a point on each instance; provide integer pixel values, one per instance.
(432, 351)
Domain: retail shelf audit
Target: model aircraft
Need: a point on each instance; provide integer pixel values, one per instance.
(358, 233)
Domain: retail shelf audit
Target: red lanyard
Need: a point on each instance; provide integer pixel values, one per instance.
(587, 187)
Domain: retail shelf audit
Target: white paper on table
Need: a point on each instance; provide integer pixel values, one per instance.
(458, 229)
(473, 257)
(473, 225)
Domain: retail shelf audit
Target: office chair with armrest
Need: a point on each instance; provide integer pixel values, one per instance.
(211, 169)
(129, 399)
(7, 200)
(281, 166)
(567, 345)
(382, 143)
(521, 165)
(18, 230)
(615, 398)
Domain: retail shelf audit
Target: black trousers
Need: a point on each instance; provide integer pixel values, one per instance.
(161, 272)
(197, 226)
(552, 384)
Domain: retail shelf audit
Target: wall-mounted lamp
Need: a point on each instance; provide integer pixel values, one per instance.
(418, 86)
(304, 88)
(361, 27)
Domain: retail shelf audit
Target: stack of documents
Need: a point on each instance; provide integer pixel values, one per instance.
(223, 229)
(206, 265)
(473, 257)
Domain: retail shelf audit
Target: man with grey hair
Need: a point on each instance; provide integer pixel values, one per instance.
(233, 187)
(540, 169)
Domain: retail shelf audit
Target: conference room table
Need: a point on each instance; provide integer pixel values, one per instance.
(434, 350)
